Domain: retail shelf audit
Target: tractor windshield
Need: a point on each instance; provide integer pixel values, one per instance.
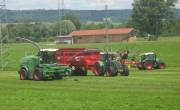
(148, 57)
(47, 57)
(110, 56)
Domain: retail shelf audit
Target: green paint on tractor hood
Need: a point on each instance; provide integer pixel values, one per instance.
(29, 62)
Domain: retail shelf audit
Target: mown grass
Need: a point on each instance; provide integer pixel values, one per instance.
(142, 90)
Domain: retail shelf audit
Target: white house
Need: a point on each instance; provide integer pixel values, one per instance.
(63, 40)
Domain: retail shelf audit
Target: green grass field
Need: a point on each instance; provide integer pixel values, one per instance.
(141, 90)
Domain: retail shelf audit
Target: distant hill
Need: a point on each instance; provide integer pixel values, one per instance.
(83, 15)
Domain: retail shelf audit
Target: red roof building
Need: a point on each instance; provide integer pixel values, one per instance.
(99, 36)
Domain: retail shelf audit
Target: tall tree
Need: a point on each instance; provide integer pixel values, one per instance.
(149, 16)
(74, 20)
(64, 27)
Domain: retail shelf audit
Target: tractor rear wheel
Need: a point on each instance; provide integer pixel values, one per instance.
(23, 74)
(98, 70)
(110, 71)
(125, 70)
(84, 72)
(37, 74)
(148, 65)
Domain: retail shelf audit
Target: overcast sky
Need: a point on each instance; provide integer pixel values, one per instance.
(70, 4)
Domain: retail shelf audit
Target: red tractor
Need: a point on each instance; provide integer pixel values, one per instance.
(149, 61)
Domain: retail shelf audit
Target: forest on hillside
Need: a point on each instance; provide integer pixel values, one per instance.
(116, 16)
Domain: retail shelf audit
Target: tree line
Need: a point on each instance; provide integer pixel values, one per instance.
(156, 18)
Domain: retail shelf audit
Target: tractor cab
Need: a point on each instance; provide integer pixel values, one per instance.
(110, 56)
(47, 56)
(148, 56)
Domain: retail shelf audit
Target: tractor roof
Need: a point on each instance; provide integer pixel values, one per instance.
(109, 52)
(149, 53)
(49, 50)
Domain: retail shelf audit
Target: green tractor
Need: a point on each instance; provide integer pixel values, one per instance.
(109, 64)
(149, 61)
(41, 66)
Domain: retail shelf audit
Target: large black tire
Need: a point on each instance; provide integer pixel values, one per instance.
(148, 65)
(110, 71)
(125, 71)
(23, 74)
(84, 72)
(116, 73)
(37, 74)
(79, 72)
(98, 70)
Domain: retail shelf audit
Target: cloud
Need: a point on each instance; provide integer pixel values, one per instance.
(69, 4)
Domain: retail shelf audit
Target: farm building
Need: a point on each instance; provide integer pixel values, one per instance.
(63, 40)
(99, 36)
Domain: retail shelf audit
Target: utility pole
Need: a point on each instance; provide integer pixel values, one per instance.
(106, 20)
(61, 13)
(61, 8)
(4, 41)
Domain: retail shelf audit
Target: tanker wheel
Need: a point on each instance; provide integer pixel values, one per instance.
(125, 71)
(74, 71)
(98, 70)
(148, 65)
(23, 74)
(161, 65)
(110, 71)
(85, 72)
(37, 75)
(80, 72)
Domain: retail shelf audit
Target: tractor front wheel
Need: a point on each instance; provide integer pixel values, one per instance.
(148, 65)
(37, 74)
(98, 70)
(23, 74)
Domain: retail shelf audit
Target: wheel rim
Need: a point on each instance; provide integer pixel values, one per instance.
(161, 66)
(97, 70)
(108, 72)
(148, 65)
(36, 75)
(22, 75)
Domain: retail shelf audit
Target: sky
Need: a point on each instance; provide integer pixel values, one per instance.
(70, 4)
